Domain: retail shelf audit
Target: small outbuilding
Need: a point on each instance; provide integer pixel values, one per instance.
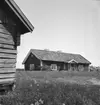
(52, 60)
(13, 24)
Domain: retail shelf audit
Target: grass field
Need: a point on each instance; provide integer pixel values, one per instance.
(62, 76)
(54, 88)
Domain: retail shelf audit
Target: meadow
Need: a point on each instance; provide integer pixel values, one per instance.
(54, 88)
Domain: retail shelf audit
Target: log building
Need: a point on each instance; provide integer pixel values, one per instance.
(13, 24)
(52, 60)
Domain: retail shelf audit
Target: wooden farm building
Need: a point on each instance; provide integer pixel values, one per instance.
(51, 60)
(13, 23)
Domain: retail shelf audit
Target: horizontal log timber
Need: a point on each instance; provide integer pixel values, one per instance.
(8, 61)
(5, 76)
(6, 46)
(7, 65)
(7, 70)
(8, 51)
(2, 55)
(6, 36)
(4, 31)
(5, 41)
(2, 26)
(8, 80)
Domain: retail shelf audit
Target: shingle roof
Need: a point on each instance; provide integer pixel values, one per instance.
(57, 56)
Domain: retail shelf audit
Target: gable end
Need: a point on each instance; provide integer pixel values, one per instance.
(21, 20)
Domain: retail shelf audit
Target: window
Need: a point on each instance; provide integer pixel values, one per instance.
(53, 66)
(32, 67)
(81, 68)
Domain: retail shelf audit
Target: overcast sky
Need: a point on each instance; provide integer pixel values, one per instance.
(72, 26)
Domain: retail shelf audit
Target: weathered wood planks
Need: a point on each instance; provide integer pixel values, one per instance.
(6, 46)
(4, 31)
(5, 41)
(7, 70)
(3, 65)
(8, 61)
(8, 37)
(10, 56)
(1, 26)
(5, 76)
(8, 51)
(8, 80)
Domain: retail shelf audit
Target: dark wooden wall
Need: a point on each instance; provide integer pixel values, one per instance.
(32, 60)
(8, 47)
(60, 66)
(78, 67)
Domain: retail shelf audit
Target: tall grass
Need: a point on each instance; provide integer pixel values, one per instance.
(28, 92)
(58, 74)
(52, 94)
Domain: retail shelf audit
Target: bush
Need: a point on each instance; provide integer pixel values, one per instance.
(46, 68)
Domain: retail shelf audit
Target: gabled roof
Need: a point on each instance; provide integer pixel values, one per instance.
(12, 7)
(57, 56)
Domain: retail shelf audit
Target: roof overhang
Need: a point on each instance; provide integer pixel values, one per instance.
(20, 15)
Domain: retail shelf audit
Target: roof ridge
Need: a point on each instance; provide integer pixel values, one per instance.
(55, 51)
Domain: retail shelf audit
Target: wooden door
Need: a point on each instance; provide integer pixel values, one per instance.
(32, 67)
